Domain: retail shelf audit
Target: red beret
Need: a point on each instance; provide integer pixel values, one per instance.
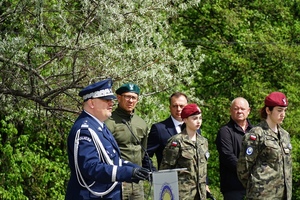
(189, 110)
(276, 99)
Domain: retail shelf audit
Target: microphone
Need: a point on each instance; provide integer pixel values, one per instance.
(146, 154)
(139, 142)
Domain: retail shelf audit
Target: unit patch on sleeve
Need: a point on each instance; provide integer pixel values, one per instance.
(249, 151)
(252, 137)
(174, 144)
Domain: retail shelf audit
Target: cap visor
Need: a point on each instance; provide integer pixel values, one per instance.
(110, 97)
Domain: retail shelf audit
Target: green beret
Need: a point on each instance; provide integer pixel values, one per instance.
(128, 87)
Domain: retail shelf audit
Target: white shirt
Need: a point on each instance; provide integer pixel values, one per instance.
(177, 124)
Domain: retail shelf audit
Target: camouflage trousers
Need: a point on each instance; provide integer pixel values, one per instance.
(133, 191)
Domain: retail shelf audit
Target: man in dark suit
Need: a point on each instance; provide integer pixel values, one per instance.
(160, 132)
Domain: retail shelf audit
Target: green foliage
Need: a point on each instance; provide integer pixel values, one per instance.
(212, 50)
(51, 49)
(33, 159)
(251, 49)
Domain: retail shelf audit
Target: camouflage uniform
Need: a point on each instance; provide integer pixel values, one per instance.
(265, 163)
(181, 152)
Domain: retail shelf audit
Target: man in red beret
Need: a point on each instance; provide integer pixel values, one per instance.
(265, 163)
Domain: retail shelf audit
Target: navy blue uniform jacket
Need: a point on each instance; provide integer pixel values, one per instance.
(92, 168)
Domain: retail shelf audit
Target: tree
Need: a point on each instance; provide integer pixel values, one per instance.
(49, 50)
(251, 49)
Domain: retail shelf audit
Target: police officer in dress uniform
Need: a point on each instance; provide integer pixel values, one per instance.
(188, 150)
(94, 156)
(265, 162)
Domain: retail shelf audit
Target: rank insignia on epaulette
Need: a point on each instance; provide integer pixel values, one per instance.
(84, 126)
(252, 137)
(174, 144)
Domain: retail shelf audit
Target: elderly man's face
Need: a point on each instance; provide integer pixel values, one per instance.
(239, 110)
(100, 108)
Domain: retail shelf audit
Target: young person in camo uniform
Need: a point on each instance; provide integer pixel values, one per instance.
(265, 162)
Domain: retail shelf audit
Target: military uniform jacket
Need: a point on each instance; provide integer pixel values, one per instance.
(265, 163)
(130, 147)
(97, 174)
(181, 152)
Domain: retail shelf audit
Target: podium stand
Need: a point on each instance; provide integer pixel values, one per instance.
(165, 184)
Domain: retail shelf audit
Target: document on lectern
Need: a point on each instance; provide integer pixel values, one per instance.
(165, 184)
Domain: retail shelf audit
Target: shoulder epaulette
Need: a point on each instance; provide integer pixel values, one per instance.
(84, 125)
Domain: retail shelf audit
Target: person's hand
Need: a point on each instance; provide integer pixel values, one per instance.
(207, 188)
(140, 174)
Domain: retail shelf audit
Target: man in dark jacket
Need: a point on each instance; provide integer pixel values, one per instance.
(228, 141)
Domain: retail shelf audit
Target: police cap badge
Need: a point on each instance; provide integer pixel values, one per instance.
(101, 89)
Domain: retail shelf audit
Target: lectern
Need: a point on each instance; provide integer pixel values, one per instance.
(165, 184)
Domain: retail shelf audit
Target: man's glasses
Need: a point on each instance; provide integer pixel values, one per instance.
(128, 97)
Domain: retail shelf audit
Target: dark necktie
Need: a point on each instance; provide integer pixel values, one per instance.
(180, 126)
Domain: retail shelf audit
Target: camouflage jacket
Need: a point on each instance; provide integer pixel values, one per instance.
(181, 152)
(130, 148)
(265, 163)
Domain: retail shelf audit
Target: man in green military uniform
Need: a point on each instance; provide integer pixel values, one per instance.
(265, 162)
(130, 132)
